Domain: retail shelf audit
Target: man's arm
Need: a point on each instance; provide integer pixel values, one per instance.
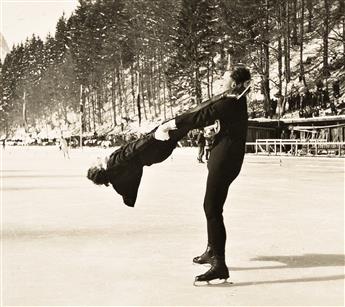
(201, 116)
(207, 115)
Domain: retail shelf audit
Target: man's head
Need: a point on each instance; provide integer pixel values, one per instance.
(238, 79)
(240, 74)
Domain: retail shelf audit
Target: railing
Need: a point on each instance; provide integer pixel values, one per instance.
(296, 147)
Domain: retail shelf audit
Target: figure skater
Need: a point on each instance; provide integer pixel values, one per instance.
(124, 167)
(64, 147)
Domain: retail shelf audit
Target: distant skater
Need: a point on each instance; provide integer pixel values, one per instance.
(124, 168)
(64, 147)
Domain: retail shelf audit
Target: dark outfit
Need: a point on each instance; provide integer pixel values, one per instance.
(274, 104)
(125, 165)
(336, 89)
(225, 160)
(201, 144)
(208, 145)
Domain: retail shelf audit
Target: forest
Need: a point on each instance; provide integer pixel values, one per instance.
(115, 62)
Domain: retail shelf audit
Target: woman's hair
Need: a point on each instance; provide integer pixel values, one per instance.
(240, 74)
(98, 175)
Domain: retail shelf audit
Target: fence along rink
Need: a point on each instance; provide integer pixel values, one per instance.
(296, 147)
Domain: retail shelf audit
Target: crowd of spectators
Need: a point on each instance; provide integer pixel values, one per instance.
(109, 140)
(309, 102)
(95, 140)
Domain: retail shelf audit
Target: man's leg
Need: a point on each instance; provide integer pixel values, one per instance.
(201, 153)
(222, 171)
(216, 193)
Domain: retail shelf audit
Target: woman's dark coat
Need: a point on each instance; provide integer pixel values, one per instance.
(125, 165)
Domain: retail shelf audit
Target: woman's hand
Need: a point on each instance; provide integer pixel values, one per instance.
(162, 132)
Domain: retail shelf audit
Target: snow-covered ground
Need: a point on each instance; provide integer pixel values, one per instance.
(66, 241)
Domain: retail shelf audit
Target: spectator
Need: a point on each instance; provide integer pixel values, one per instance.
(308, 111)
(336, 90)
(209, 135)
(292, 134)
(280, 106)
(290, 102)
(316, 112)
(319, 98)
(307, 99)
(319, 92)
(274, 103)
(190, 138)
(334, 110)
(301, 113)
(284, 136)
(292, 137)
(297, 101)
(201, 145)
(319, 85)
(325, 98)
(312, 99)
(302, 101)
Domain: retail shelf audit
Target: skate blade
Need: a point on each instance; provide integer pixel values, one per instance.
(213, 282)
(204, 264)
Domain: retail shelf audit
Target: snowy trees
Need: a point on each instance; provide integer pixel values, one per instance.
(195, 44)
(133, 59)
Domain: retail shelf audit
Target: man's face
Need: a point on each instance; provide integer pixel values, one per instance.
(232, 84)
(229, 83)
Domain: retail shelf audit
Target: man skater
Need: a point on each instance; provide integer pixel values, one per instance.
(124, 168)
(224, 164)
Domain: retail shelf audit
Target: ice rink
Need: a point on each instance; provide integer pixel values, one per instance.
(66, 241)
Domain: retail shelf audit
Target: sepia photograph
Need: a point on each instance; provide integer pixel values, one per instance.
(172, 152)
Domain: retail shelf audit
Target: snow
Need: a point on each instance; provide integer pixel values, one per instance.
(311, 49)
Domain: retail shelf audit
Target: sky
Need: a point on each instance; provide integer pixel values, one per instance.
(22, 18)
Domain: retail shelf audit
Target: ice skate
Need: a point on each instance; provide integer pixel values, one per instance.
(218, 273)
(205, 258)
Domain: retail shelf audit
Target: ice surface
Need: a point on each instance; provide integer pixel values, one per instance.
(66, 241)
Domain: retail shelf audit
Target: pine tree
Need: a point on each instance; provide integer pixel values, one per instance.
(80, 47)
(79, 42)
(116, 50)
(3, 113)
(61, 39)
(194, 41)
